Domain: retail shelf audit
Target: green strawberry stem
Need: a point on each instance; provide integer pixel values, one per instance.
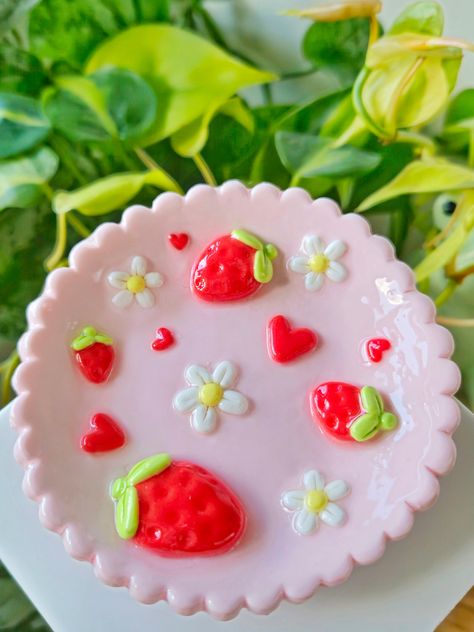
(375, 418)
(88, 337)
(124, 492)
(264, 255)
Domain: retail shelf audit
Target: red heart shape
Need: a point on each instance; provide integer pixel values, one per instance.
(178, 240)
(164, 339)
(104, 435)
(375, 348)
(286, 344)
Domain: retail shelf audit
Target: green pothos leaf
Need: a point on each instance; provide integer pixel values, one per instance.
(110, 193)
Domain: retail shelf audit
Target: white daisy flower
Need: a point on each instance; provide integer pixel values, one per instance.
(209, 393)
(315, 503)
(136, 283)
(319, 261)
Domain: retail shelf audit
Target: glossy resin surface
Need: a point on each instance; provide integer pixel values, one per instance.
(269, 448)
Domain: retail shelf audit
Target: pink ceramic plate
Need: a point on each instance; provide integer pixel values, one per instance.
(265, 442)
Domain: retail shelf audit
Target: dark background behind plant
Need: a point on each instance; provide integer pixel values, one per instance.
(107, 102)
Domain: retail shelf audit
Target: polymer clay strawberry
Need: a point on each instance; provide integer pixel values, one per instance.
(176, 508)
(94, 354)
(233, 267)
(350, 413)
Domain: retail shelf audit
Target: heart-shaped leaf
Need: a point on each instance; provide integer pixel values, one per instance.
(110, 193)
(429, 175)
(188, 92)
(307, 156)
(22, 124)
(420, 17)
(21, 180)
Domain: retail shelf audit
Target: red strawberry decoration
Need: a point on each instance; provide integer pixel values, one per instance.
(233, 267)
(178, 240)
(164, 339)
(286, 344)
(177, 508)
(350, 413)
(104, 435)
(375, 348)
(94, 354)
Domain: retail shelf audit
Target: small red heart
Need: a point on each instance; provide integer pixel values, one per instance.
(104, 435)
(375, 348)
(178, 240)
(164, 339)
(286, 344)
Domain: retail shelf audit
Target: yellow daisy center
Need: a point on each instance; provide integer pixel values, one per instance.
(136, 284)
(211, 394)
(316, 500)
(319, 263)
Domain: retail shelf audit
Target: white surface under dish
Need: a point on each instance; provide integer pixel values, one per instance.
(412, 588)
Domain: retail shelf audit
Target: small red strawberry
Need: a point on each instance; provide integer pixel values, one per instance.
(94, 354)
(233, 267)
(177, 508)
(350, 413)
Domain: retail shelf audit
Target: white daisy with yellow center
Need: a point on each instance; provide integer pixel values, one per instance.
(209, 393)
(319, 261)
(315, 503)
(135, 284)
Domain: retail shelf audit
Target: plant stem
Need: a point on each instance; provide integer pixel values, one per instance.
(446, 293)
(80, 228)
(296, 74)
(416, 139)
(460, 275)
(450, 321)
(61, 146)
(204, 170)
(60, 246)
(8, 368)
(148, 161)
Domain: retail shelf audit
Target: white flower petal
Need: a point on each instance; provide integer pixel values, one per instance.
(203, 419)
(138, 266)
(197, 375)
(335, 249)
(153, 279)
(187, 399)
(305, 522)
(299, 264)
(224, 374)
(233, 403)
(313, 281)
(337, 489)
(313, 480)
(118, 279)
(333, 515)
(145, 298)
(293, 500)
(336, 271)
(312, 245)
(122, 299)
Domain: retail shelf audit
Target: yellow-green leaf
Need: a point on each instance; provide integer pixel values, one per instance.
(448, 249)
(430, 175)
(191, 77)
(110, 193)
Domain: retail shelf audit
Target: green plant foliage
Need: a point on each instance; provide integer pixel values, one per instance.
(22, 124)
(110, 193)
(188, 94)
(419, 17)
(338, 46)
(306, 156)
(21, 72)
(22, 179)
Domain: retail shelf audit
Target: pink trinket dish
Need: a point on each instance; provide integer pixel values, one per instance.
(233, 398)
